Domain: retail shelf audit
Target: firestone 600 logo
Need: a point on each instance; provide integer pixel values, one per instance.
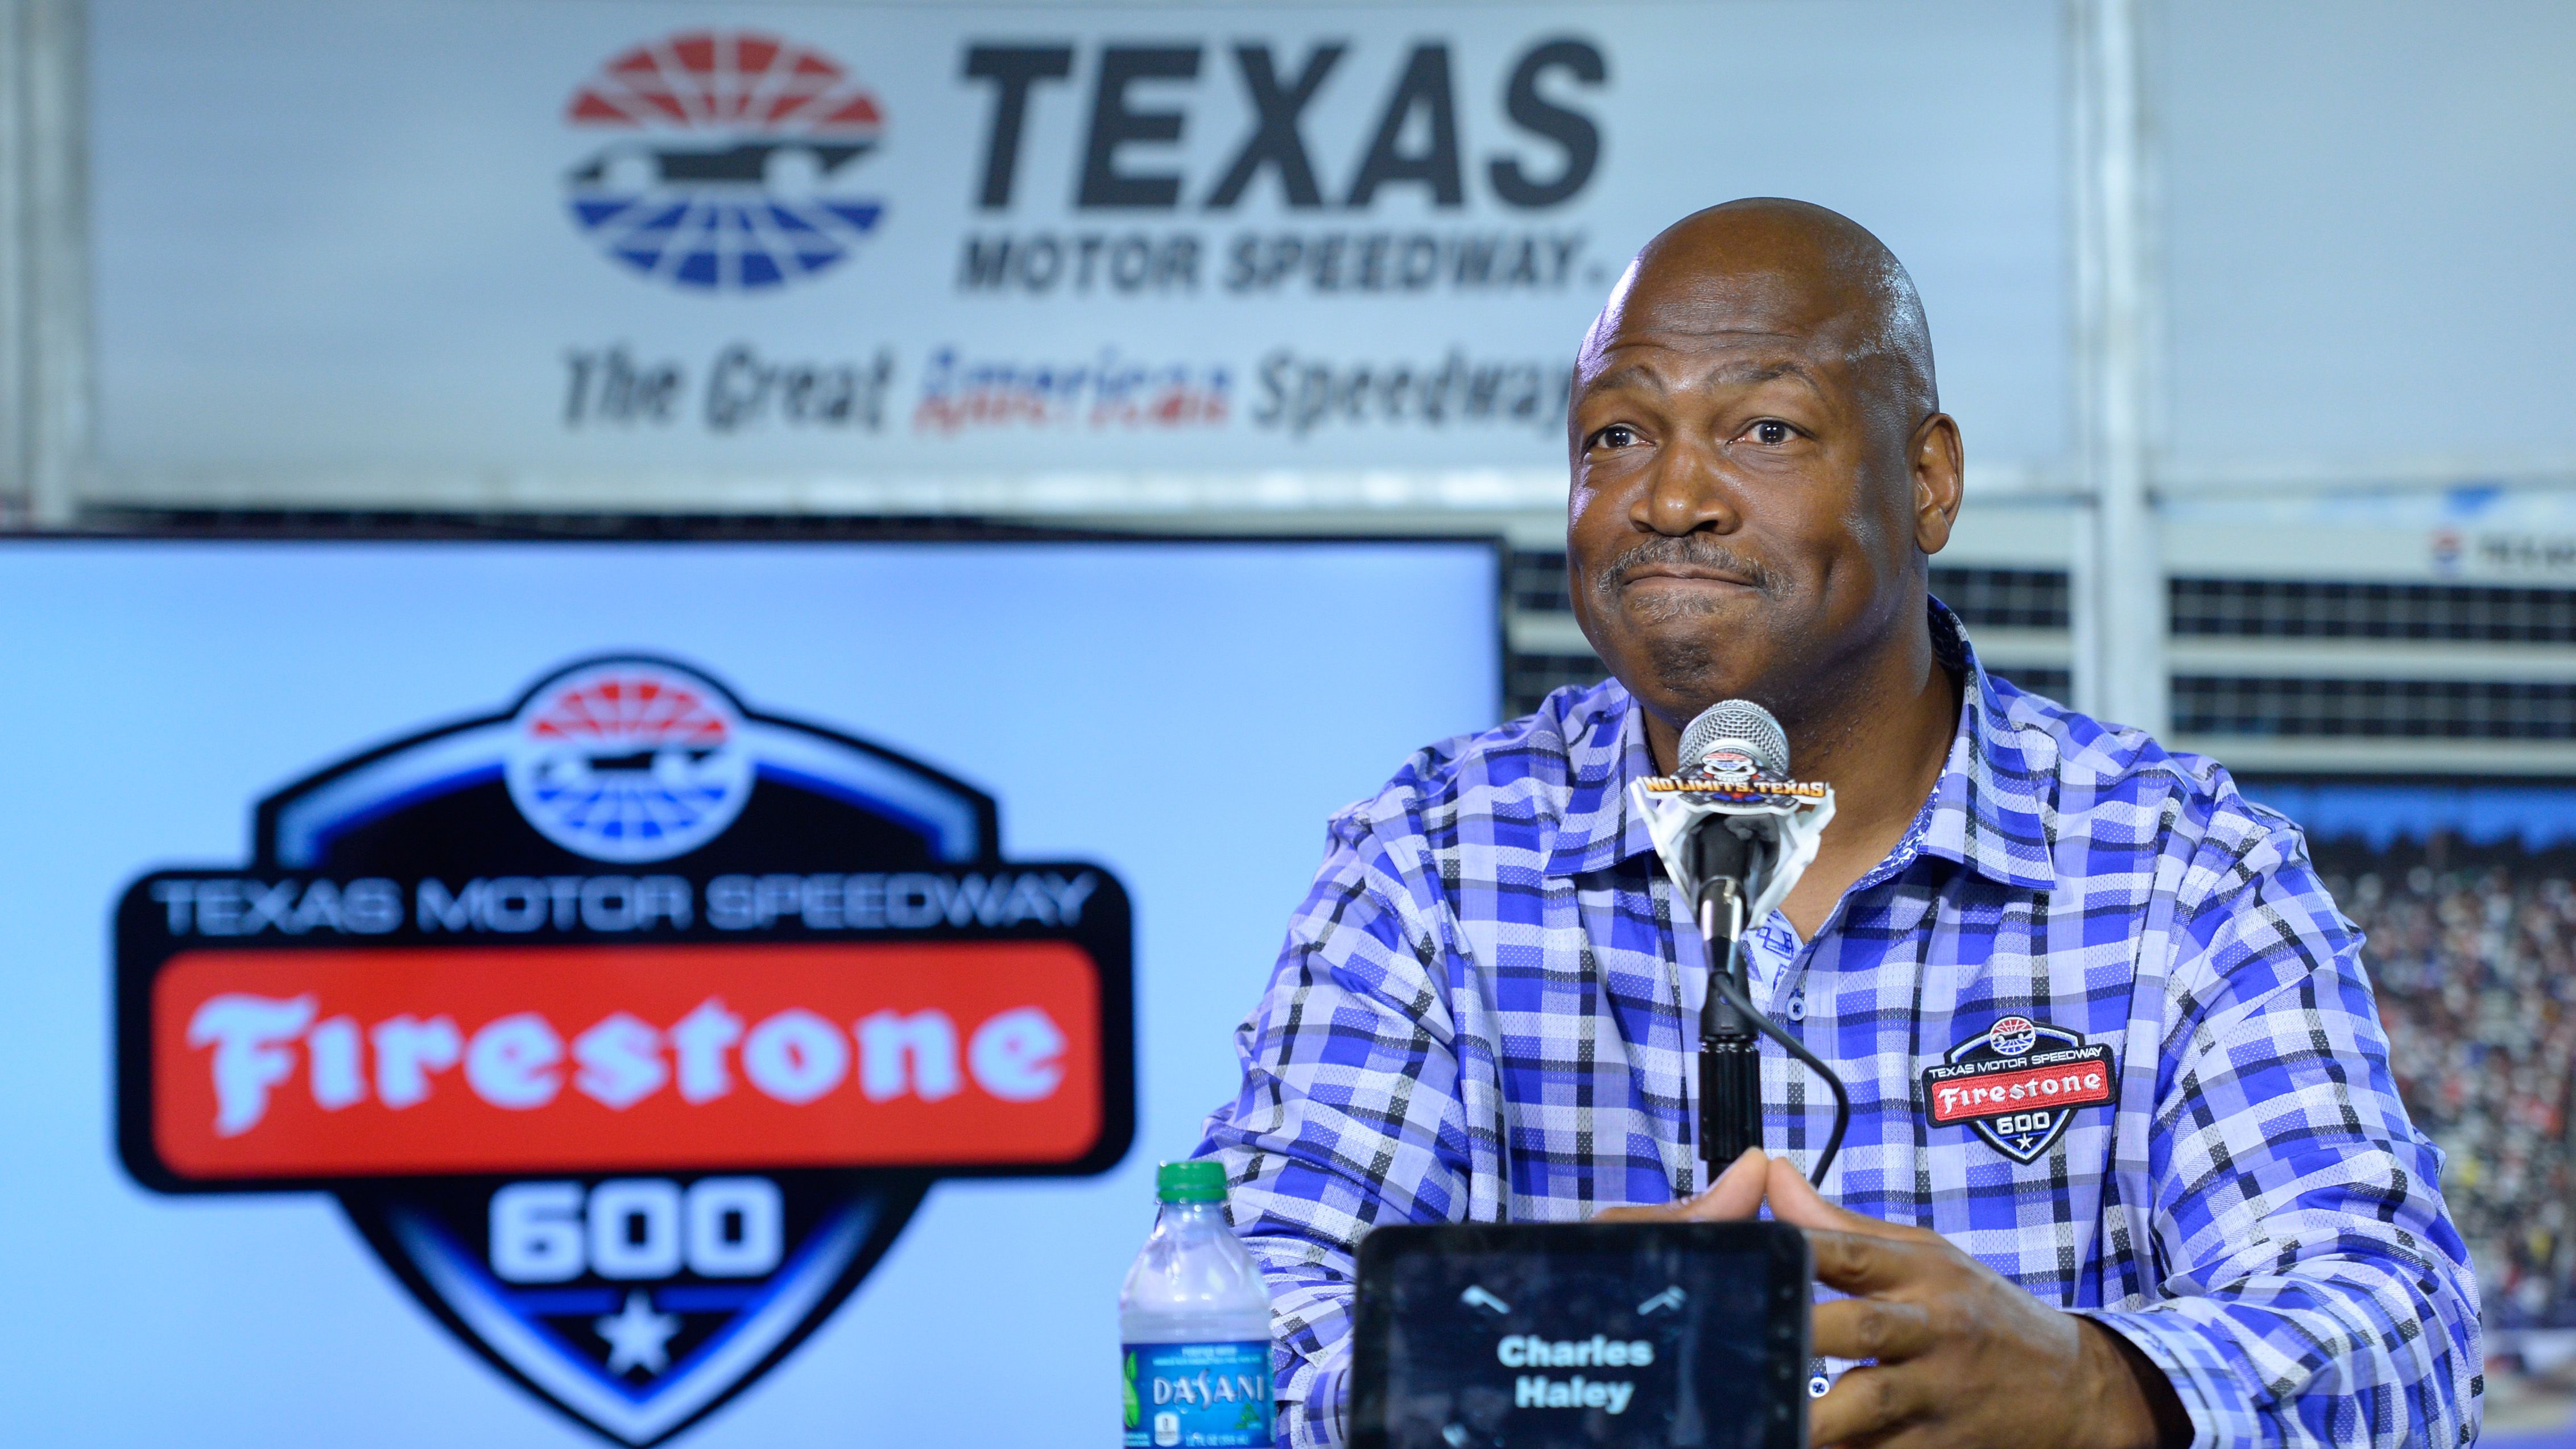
(628, 1024)
(729, 166)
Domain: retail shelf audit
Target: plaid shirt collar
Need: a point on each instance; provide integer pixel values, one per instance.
(1986, 813)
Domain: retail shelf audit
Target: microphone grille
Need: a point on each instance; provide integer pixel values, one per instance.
(1738, 724)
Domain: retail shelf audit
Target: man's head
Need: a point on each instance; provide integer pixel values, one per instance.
(1760, 464)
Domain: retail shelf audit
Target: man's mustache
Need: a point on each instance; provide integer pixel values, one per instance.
(1695, 550)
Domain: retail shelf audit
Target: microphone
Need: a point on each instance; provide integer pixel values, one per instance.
(1735, 831)
(1732, 741)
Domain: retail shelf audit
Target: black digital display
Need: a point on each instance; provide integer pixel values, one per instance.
(1673, 1335)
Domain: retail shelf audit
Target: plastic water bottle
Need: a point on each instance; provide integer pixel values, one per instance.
(1195, 1321)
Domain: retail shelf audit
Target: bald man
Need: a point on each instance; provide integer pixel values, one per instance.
(1484, 1010)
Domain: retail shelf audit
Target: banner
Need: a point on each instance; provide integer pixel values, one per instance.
(705, 993)
(925, 256)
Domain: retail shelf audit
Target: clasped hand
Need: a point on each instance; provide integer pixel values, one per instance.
(1962, 1357)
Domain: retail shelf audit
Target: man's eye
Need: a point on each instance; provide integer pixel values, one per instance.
(1770, 432)
(1617, 435)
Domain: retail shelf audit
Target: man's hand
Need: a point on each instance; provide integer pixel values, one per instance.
(1963, 1357)
(1736, 1194)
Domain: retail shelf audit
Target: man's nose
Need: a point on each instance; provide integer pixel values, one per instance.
(1689, 492)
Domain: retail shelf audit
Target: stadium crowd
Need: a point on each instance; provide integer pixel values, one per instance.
(2474, 960)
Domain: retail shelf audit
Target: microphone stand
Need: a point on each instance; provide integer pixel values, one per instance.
(1730, 1048)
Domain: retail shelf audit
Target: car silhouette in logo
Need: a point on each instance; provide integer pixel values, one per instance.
(731, 169)
(749, 163)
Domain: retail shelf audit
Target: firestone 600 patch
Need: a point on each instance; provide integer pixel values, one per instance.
(2018, 1084)
(627, 1024)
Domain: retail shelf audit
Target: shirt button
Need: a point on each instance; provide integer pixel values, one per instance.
(1797, 1006)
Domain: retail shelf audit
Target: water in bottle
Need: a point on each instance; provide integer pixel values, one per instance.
(1195, 1320)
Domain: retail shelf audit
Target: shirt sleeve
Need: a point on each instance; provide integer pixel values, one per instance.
(1352, 1110)
(2314, 1289)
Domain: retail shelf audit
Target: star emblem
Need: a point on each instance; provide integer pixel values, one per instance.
(636, 1335)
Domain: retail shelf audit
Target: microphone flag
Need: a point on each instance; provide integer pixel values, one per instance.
(1788, 813)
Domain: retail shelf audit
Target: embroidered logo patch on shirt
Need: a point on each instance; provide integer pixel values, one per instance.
(2018, 1084)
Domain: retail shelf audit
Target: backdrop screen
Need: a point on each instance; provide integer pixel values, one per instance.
(579, 993)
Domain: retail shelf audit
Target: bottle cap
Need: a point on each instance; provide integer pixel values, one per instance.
(1202, 1180)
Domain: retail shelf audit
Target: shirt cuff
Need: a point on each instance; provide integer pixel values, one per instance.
(1315, 1422)
(2222, 1412)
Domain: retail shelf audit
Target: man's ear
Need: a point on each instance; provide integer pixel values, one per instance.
(1936, 461)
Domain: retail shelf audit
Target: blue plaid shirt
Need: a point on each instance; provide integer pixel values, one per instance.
(1484, 1013)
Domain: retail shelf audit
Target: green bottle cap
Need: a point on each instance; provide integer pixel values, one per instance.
(1200, 1181)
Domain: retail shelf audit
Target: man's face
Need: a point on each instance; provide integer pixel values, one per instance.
(1740, 521)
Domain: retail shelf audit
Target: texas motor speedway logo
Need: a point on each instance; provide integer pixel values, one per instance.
(727, 167)
(629, 1026)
